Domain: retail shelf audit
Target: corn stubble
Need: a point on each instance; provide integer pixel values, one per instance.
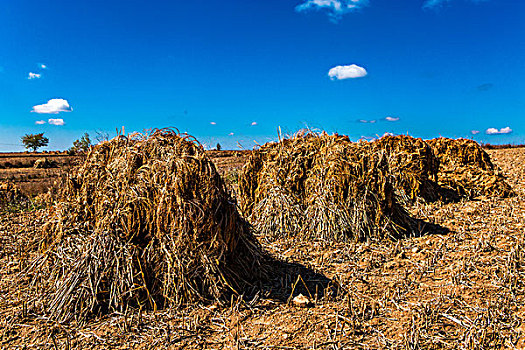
(145, 221)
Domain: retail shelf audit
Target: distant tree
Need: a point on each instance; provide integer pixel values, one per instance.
(81, 145)
(34, 141)
(218, 147)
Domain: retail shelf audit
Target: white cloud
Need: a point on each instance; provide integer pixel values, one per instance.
(253, 124)
(431, 4)
(40, 122)
(56, 121)
(392, 119)
(435, 4)
(43, 66)
(231, 134)
(335, 8)
(367, 121)
(33, 76)
(53, 106)
(213, 123)
(494, 131)
(346, 72)
(474, 132)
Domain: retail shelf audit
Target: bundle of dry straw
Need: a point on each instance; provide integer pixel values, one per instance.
(145, 221)
(466, 169)
(414, 167)
(321, 186)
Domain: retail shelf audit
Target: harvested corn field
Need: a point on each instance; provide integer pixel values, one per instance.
(458, 290)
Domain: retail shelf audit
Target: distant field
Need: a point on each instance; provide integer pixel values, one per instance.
(19, 168)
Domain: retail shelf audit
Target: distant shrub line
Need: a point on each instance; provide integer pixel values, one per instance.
(503, 146)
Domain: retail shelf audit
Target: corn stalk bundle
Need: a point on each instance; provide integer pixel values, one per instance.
(321, 186)
(466, 169)
(414, 167)
(145, 221)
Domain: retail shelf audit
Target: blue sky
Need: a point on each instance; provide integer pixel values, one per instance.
(233, 72)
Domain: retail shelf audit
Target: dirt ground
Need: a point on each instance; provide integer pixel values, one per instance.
(459, 290)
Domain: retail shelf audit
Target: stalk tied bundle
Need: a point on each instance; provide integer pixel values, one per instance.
(322, 186)
(145, 221)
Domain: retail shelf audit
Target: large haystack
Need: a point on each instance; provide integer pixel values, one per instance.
(145, 221)
(414, 167)
(321, 186)
(466, 169)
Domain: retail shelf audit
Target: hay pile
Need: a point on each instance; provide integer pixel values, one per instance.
(321, 186)
(45, 163)
(466, 169)
(144, 222)
(414, 167)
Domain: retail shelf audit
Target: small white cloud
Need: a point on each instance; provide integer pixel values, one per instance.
(43, 66)
(347, 72)
(494, 131)
(335, 8)
(40, 122)
(474, 132)
(34, 76)
(366, 121)
(58, 122)
(253, 124)
(231, 134)
(53, 106)
(431, 4)
(392, 119)
(436, 4)
(213, 123)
